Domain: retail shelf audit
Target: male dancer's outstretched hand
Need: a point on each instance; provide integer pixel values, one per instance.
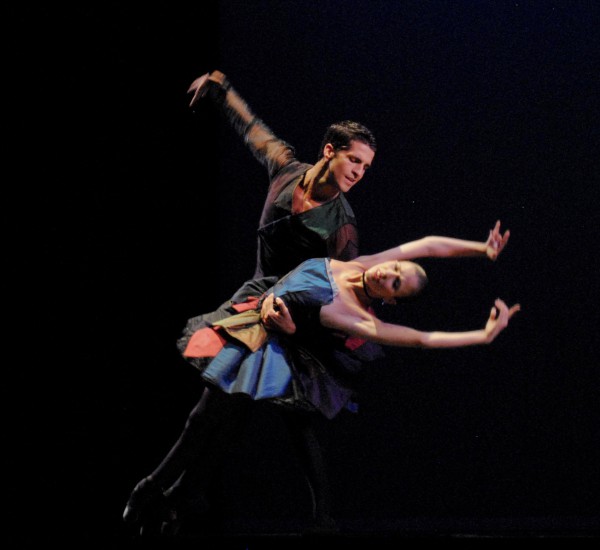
(200, 86)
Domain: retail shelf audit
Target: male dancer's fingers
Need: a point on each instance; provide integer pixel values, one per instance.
(198, 87)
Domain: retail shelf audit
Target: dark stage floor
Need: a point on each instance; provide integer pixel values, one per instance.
(377, 534)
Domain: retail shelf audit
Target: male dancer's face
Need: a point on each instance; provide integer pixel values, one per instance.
(348, 166)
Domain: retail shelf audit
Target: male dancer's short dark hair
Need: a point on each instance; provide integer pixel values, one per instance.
(341, 134)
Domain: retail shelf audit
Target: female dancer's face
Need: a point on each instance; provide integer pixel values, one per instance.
(391, 280)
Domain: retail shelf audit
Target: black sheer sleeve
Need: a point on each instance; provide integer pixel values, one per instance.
(267, 148)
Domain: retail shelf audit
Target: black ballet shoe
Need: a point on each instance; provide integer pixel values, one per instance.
(171, 523)
(146, 502)
(323, 525)
(183, 511)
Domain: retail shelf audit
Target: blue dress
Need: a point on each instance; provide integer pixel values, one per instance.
(314, 369)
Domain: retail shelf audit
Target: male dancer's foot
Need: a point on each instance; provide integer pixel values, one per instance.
(146, 507)
(189, 512)
(323, 525)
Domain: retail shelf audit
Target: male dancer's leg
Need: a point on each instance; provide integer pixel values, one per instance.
(197, 446)
(195, 500)
(306, 444)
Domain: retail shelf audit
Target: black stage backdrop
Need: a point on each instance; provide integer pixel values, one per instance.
(130, 213)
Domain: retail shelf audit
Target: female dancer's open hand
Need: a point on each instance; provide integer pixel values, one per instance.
(496, 241)
(498, 319)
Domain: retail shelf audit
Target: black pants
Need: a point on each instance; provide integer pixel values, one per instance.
(190, 471)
